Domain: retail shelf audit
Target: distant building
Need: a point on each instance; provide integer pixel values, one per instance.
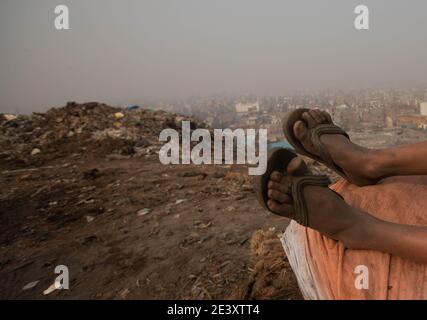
(247, 107)
(389, 122)
(342, 107)
(412, 121)
(423, 108)
(252, 121)
(344, 116)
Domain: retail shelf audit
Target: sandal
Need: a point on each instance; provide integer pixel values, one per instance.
(315, 133)
(278, 160)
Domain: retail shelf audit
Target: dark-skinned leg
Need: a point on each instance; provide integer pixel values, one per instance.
(364, 166)
(331, 216)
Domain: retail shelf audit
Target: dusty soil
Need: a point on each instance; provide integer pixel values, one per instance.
(128, 227)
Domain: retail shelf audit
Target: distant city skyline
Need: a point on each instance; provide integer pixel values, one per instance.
(133, 51)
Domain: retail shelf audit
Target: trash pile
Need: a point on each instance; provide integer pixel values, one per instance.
(81, 129)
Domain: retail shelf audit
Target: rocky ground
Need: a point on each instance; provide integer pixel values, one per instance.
(82, 186)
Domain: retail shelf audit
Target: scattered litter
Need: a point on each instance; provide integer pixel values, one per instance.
(119, 115)
(133, 108)
(35, 151)
(54, 286)
(124, 293)
(30, 285)
(87, 201)
(76, 140)
(202, 225)
(143, 212)
(10, 117)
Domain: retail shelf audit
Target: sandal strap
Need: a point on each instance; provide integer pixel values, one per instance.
(323, 152)
(300, 205)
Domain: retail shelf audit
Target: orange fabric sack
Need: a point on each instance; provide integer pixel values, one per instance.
(326, 270)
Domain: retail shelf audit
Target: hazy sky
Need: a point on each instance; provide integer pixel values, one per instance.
(128, 51)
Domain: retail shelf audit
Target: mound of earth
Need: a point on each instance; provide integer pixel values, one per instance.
(91, 129)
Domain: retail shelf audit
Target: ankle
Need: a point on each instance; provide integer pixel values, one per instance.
(373, 164)
(345, 153)
(360, 233)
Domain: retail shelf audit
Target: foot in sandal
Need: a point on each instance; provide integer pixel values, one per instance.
(288, 189)
(326, 211)
(313, 134)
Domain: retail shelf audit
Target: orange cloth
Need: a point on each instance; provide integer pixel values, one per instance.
(331, 267)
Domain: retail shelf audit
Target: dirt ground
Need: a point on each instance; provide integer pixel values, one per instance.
(128, 227)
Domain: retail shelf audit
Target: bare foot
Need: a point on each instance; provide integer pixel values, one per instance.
(358, 163)
(328, 213)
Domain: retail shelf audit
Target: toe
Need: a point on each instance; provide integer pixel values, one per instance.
(301, 131)
(297, 167)
(328, 117)
(279, 186)
(308, 118)
(278, 196)
(282, 209)
(317, 116)
(302, 134)
(322, 116)
(276, 176)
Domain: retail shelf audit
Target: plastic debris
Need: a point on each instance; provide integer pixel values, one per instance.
(143, 212)
(10, 117)
(30, 285)
(54, 286)
(119, 115)
(35, 151)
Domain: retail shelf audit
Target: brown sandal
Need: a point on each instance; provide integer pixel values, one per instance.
(278, 160)
(315, 133)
